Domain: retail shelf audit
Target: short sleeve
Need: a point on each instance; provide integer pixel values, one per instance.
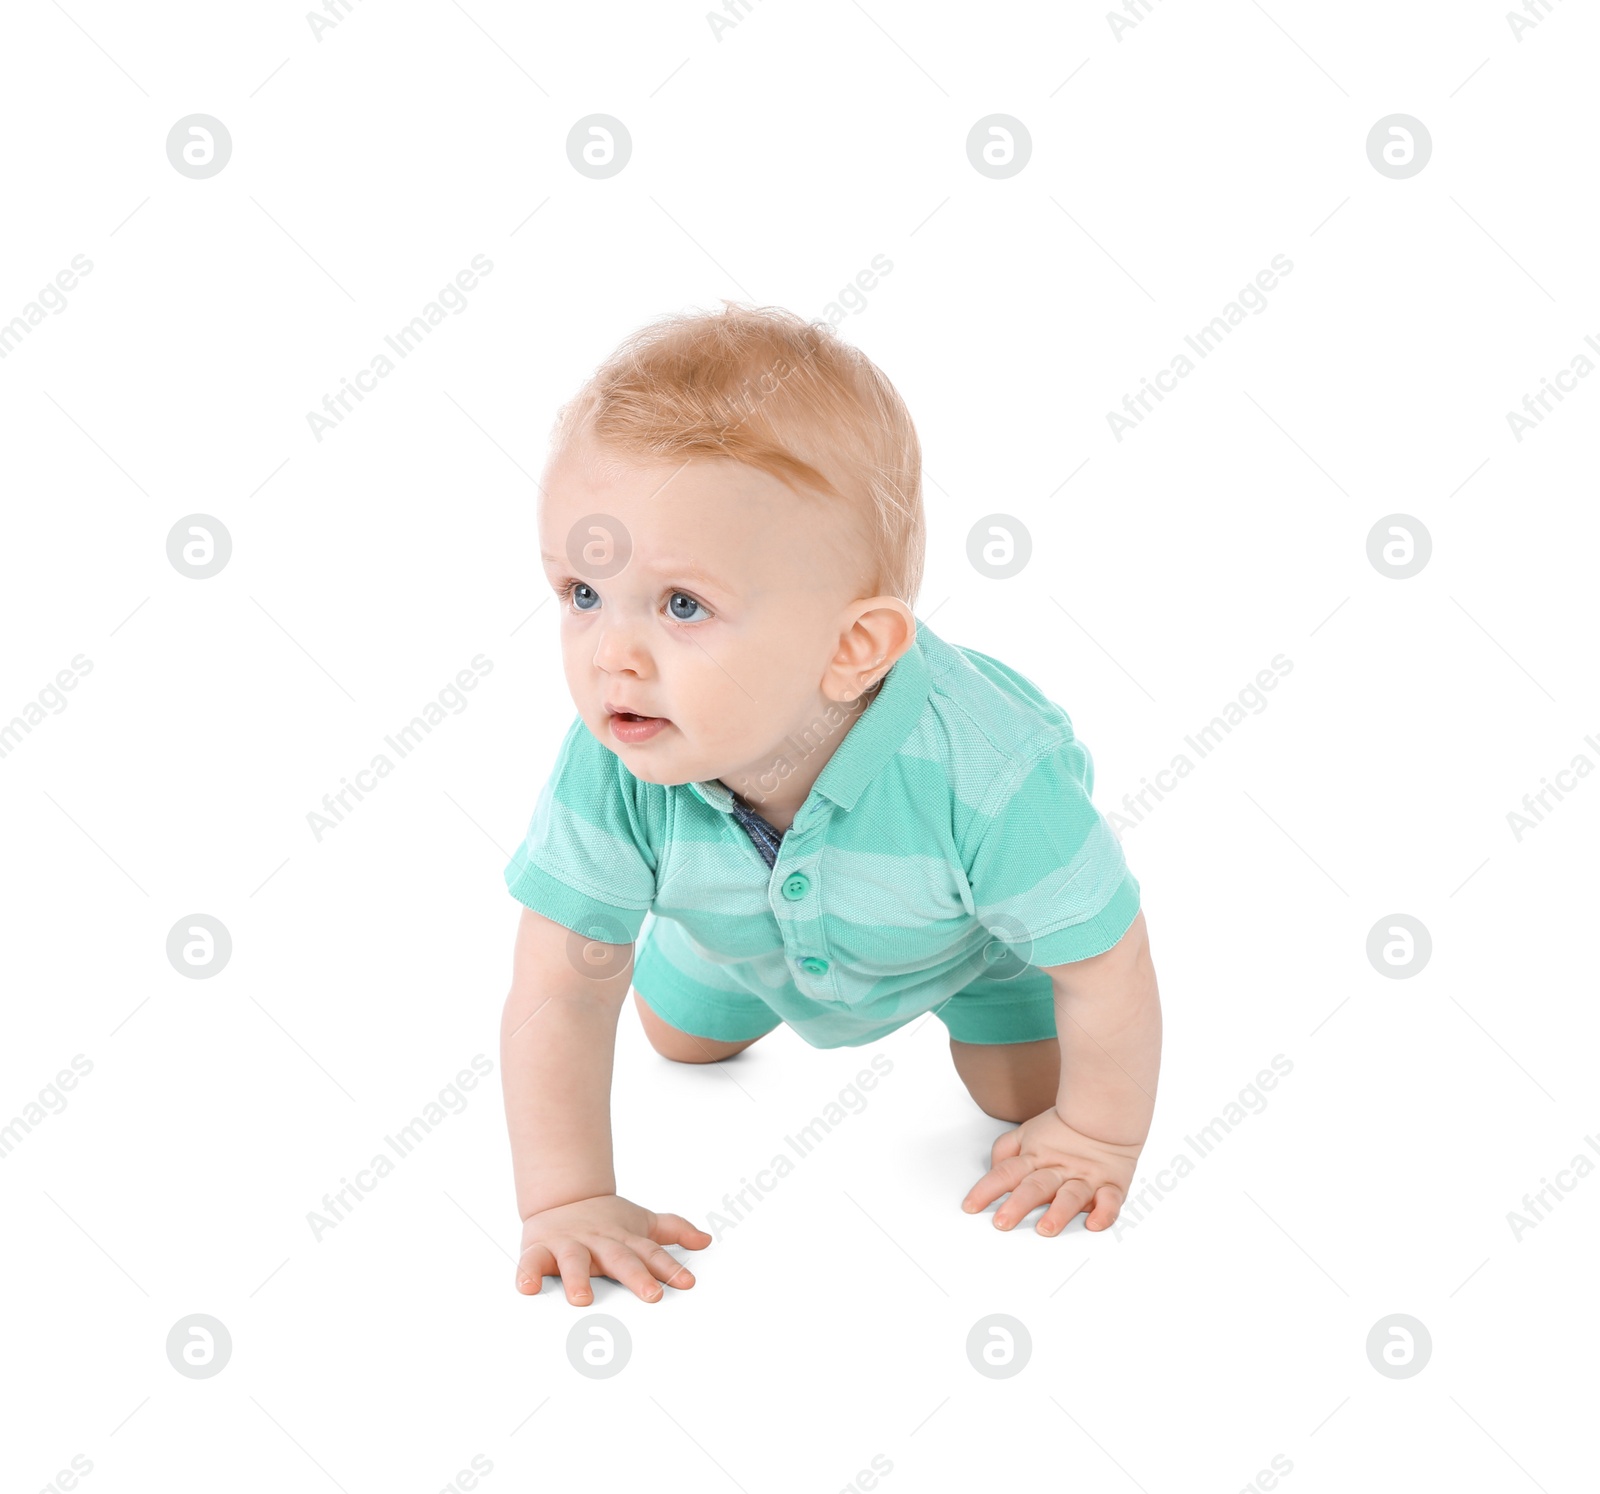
(1046, 870)
(586, 861)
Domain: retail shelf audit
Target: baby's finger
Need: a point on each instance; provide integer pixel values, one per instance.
(1001, 1178)
(536, 1264)
(576, 1268)
(619, 1261)
(1039, 1187)
(663, 1264)
(1107, 1205)
(1072, 1198)
(674, 1229)
(1006, 1144)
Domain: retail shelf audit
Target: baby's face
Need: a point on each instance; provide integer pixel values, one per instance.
(709, 598)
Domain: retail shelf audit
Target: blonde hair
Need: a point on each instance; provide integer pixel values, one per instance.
(764, 387)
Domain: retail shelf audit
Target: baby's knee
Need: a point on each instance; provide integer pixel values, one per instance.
(1010, 1082)
(683, 1047)
(1011, 1107)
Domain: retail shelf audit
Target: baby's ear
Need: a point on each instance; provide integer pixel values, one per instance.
(883, 629)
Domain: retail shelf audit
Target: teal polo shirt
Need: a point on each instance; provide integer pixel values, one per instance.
(948, 851)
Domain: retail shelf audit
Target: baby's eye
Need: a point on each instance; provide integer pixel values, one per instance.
(682, 598)
(580, 594)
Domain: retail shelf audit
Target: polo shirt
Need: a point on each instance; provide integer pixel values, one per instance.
(948, 848)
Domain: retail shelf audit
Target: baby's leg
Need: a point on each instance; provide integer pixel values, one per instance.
(684, 1047)
(1010, 1081)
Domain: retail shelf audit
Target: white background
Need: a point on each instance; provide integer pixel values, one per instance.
(770, 166)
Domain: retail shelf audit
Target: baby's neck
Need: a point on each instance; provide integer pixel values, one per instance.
(779, 807)
(779, 819)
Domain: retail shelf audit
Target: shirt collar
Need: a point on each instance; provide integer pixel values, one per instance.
(871, 740)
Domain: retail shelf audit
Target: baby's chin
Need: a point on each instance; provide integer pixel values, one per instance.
(672, 767)
(650, 772)
(660, 759)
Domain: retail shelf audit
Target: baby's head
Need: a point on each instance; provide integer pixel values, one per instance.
(731, 517)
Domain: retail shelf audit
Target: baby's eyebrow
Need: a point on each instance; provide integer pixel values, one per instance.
(688, 570)
(668, 568)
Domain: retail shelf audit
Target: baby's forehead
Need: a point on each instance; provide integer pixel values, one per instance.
(716, 523)
(677, 526)
(603, 546)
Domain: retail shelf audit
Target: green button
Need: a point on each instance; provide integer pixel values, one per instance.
(796, 886)
(813, 966)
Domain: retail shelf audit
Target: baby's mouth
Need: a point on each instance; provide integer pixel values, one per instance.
(630, 727)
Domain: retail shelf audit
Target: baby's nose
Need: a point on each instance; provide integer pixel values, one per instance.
(620, 648)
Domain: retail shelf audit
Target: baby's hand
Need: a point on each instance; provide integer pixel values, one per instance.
(605, 1236)
(1044, 1159)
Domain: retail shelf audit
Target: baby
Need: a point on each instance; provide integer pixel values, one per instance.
(836, 819)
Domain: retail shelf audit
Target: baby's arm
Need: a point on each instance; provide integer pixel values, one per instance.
(1080, 1155)
(1108, 1019)
(557, 1040)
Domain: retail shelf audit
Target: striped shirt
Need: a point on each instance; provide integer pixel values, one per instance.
(948, 845)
